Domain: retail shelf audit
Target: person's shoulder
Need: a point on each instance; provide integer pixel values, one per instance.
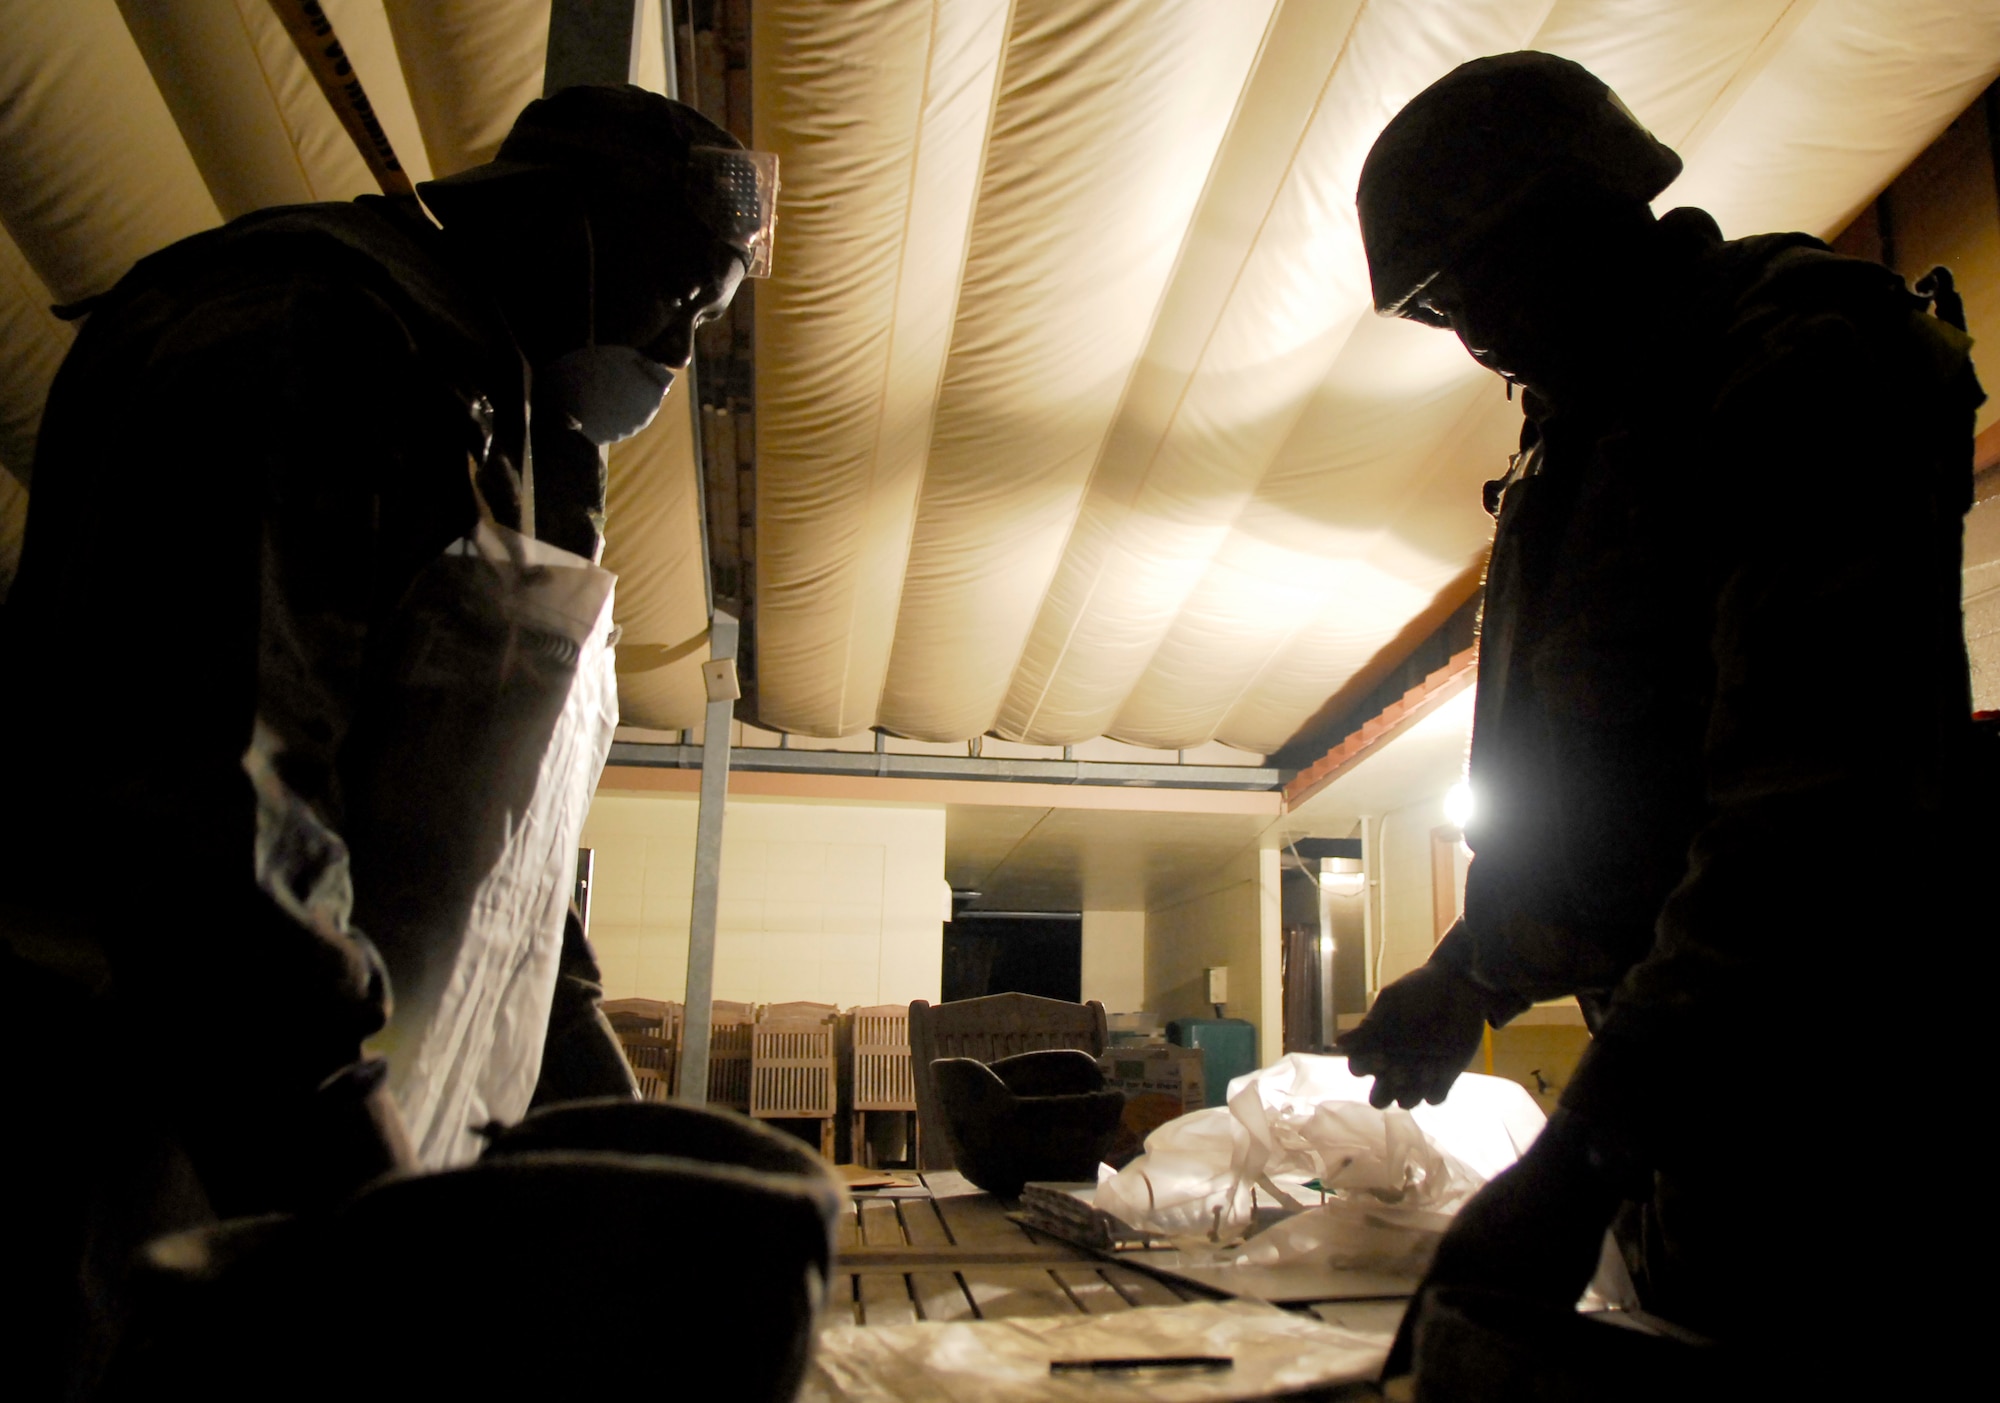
(1821, 362)
(1794, 282)
(283, 291)
(1785, 310)
(1771, 292)
(283, 251)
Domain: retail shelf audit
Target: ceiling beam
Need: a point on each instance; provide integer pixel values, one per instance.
(871, 789)
(883, 764)
(592, 41)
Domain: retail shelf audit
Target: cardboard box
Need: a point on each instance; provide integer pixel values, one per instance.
(1161, 1082)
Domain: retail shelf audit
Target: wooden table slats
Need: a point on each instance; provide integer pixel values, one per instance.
(847, 1230)
(958, 1256)
(941, 1295)
(1091, 1292)
(980, 1219)
(922, 1227)
(1003, 1292)
(842, 1306)
(880, 1227)
(1143, 1290)
(885, 1300)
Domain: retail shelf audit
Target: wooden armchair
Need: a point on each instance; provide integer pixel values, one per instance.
(988, 1029)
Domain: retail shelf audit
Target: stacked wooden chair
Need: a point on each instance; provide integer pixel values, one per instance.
(989, 1029)
(882, 1080)
(794, 1067)
(649, 1031)
(784, 1061)
(729, 1038)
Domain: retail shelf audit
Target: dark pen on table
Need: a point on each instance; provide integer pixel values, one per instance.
(1151, 1361)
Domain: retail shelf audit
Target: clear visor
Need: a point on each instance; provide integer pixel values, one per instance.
(1418, 306)
(735, 193)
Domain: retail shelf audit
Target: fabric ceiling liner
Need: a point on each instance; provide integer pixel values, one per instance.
(1071, 415)
(1179, 484)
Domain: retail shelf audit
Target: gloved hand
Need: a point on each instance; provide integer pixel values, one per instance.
(1418, 1037)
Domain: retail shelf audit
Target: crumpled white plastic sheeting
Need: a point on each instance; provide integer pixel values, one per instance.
(998, 1361)
(1394, 1177)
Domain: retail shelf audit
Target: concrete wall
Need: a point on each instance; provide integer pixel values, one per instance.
(1233, 921)
(1114, 959)
(826, 902)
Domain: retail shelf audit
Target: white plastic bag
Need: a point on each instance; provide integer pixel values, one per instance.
(483, 753)
(1391, 1179)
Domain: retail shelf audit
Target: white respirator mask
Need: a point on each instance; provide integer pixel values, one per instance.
(608, 392)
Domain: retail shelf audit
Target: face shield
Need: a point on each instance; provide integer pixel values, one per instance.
(734, 193)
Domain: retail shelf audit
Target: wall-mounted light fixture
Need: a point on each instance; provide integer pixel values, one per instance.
(1458, 805)
(1341, 876)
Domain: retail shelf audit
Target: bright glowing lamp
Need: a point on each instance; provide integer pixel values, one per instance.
(1458, 805)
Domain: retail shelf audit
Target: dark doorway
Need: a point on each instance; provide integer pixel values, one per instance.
(1014, 952)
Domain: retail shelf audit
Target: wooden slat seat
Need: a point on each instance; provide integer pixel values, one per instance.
(652, 1060)
(882, 1080)
(649, 1032)
(729, 1029)
(793, 1067)
(652, 1016)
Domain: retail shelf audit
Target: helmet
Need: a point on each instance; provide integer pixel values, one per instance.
(1470, 150)
(627, 143)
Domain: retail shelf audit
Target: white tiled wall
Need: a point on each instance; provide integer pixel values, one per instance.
(1233, 924)
(824, 902)
(1114, 959)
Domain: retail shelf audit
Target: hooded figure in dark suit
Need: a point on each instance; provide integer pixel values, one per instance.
(318, 461)
(1721, 640)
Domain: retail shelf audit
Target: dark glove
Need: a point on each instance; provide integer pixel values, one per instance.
(1418, 1037)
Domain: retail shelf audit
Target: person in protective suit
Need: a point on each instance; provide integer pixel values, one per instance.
(263, 438)
(1721, 641)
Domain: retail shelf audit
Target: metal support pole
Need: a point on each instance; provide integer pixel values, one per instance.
(720, 673)
(591, 41)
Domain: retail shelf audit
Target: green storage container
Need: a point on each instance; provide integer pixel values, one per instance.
(1228, 1049)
